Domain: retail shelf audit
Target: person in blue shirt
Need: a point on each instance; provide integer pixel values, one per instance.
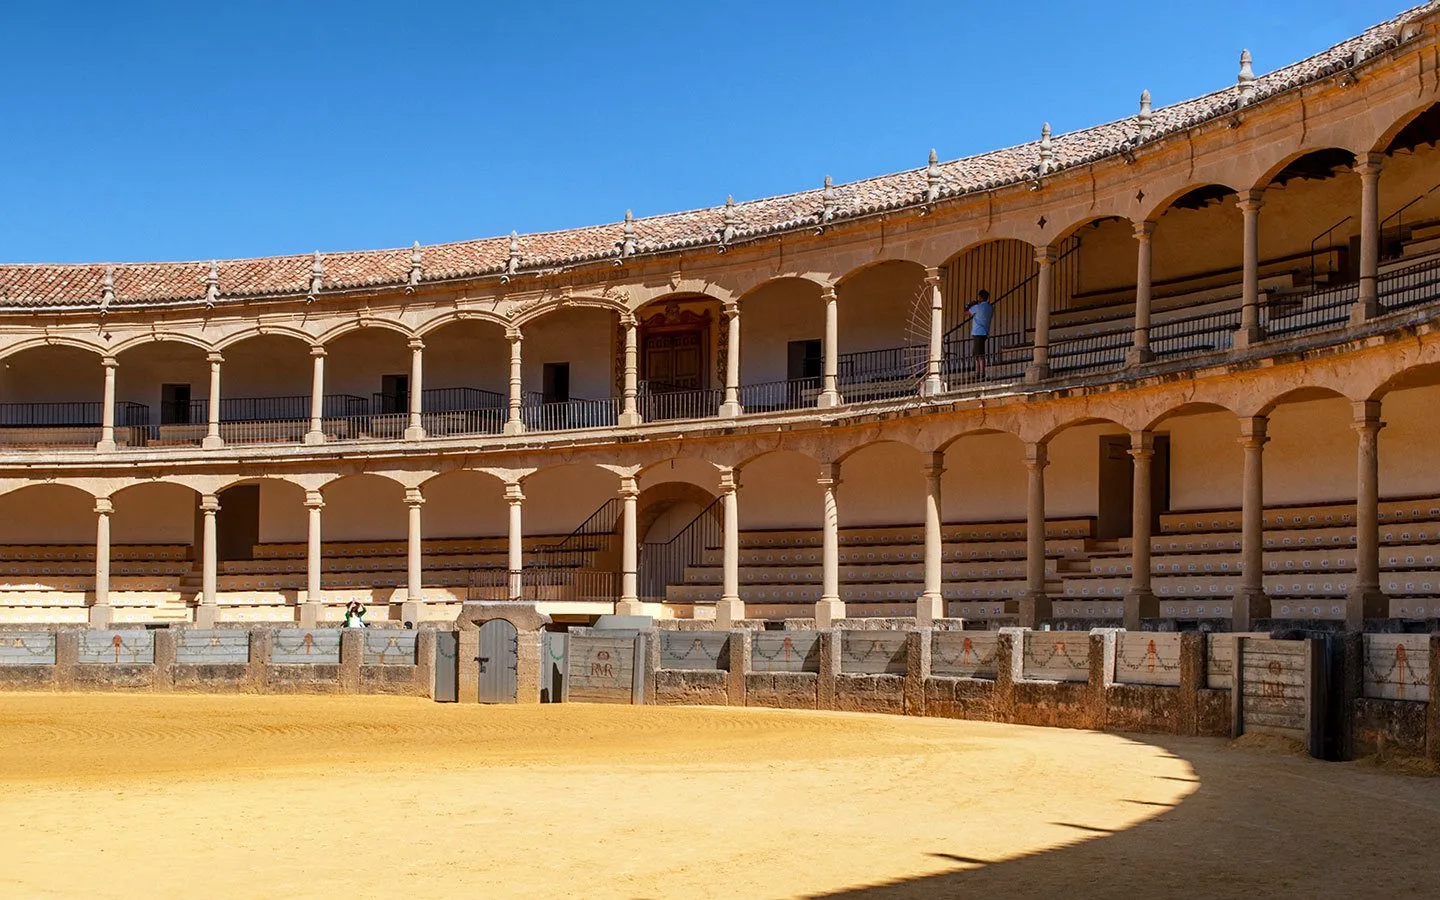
(981, 312)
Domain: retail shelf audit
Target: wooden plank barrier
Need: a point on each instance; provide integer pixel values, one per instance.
(1056, 656)
(1397, 667)
(601, 669)
(212, 646)
(964, 654)
(27, 648)
(116, 647)
(785, 651)
(301, 646)
(1279, 688)
(872, 652)
(694, 650)
(1147, 658)
(389, 647)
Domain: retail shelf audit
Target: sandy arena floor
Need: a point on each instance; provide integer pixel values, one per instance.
(170, 796)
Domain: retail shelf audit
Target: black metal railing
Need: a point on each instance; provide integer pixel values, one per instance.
(658, 402)
(662, 564)
(1091, 352)
(461, 399)
(1333, 256)
(572, 414)
(1317, 311)
(957, 331)
(772, 396)
(575, 548)
(549, 584)
(1409, 286)
(1204, 333)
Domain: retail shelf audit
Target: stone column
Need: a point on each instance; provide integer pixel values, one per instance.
(310, 609)
(515, 541)
(1365, 600)
(731, 407)
(830, 396)
(100, 609)
(1140, 601)
(629, 602)
(212, 440)
(1140, 352)
(931, 605)
(1035, 603)
(416, 429)
(1250, 331)
(1044, 289)
(515, 424)
(934, 383)
(210, 562)
(414, 571)
(1252, 603)
(107, 405)
(1367, 306)
(830, 607)
(316, 434)
(630, 414)
(731, 608)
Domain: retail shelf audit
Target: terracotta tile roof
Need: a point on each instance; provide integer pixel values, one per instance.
(81, 286)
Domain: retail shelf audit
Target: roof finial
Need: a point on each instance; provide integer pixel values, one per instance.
(1246, 81)
(512, 261)
(317, 275)
(827, 199)
(932, 178)
(107, 287)
(628, 244)
(1047, 153)
(727, 223)
(416, 270)
(1145, 117)
(212, 285)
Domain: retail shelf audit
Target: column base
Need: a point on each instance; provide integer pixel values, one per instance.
(1247, 336)
(730, 410)
(1364, 603)
(1140, 605)
(514, 426)
(1034, 606)
(415, 433)
(307, 614)
(105, 446)
(1364, 310)
(205, 614)
(928, 608)
(1249, 604)
(629, 607)
(828, 399)
(1037, 372)
(99, 615)
(212, 442)
(314, 437)
(828, 611)
(629, 420)
(729, 612)
(1139, 356)
(931, 387)
(411, 611)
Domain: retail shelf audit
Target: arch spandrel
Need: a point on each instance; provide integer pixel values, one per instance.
(286, 331)
(100, 350)
(376, 323)
(527, 313)
(438, 321)
(1163, 195)
(161, 337)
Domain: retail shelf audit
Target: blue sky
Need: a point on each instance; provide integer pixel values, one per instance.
(158, 131)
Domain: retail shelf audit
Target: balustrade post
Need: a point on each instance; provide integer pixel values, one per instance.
(830, 607)
(316, 434)
(830, 394)
(515, 541)
(1035, 602)
(413, 607)
(731, 608)
(212, 440)
(416, 429)
(99, 616)
(1039, 368)
(1140, 352)
(210, 562)
(1365, 600)
(931, 605)
(731, 407)
(629, 602)
(515, 424)
(107, 406)
(630, 414)
(1367, 305)
(1140, 600)
(934, 383)
(1251, 602)
(1250, 332)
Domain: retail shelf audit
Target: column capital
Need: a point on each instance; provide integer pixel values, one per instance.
(829, 474)
(933, 275)
(514, 493)
(318, 351)
(628, 321)
(1142, 444)
(1037, 456)
(214, 359)
(729, 481)
(209, 504)
(1044, 256)
(1252, 428)
(513, 335)
(415, 344)
(314, 500)
(1251, 201)
(629, 487)
(104, 506)
(109, 362)
(730, 309)
(1143, 231)
(1368, 165)
(935, 467)
(413, 498)
(828, 293)
(1367, 415)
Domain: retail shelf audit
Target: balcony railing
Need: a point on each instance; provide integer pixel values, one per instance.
(1409, 286)
(1316, 311)
(658, 402)
(68, 424)
(572, 414)
(773, 396)
(543, 583)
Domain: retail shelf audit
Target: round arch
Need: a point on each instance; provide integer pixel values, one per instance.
(1421, 119)
(361, 325)
(884, 261)
(54, 341)
(464, 503)
(259, 331)
(154, 512)
(160, 338)
(1195, 195)
(53, 513)
(365, 506)
(1308, 163)
(481, 317)
(560, 304)
(779, 489)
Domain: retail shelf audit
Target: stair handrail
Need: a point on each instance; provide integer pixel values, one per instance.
(1325, 235)
(950, 335)
(705, 516)
(609, 510)
(1413, 200)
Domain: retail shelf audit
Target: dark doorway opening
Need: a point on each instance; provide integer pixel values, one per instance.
(1114, 506)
